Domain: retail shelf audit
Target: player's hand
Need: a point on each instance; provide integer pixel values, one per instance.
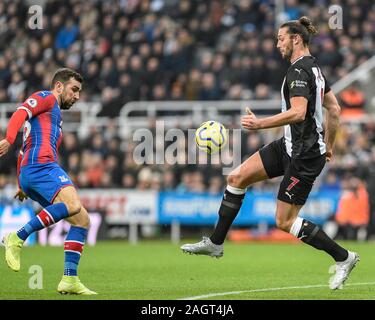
(4, 147)
(329, 154)
(250, 121)
(20, 195)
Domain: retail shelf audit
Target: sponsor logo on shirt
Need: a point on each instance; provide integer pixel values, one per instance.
(44, 94)
(298, 84)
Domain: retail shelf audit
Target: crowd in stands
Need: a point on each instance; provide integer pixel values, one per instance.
(131, 50)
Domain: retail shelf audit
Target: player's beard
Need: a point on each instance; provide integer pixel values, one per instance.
(64, 104)
(288, 52)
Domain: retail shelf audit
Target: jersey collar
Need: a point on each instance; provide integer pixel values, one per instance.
(301, 57)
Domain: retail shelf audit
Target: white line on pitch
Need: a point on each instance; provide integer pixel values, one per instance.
(210, 295)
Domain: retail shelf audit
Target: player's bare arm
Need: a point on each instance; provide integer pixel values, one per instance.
(295, 114)
(332, 121)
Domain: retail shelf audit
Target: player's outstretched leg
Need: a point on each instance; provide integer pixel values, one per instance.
(251, 171)
(213, 246)
(314, 236)
(73, 247)
(13, 242)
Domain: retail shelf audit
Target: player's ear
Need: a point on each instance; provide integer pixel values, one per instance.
(297, 38)
(59, 86)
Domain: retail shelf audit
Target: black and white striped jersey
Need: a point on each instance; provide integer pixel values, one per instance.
(304, 78)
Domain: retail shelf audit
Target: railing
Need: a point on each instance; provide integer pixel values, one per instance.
(135, 115)
(82, 116)
(188, 114)
(362, 72)
(365, 75)
(185, 114)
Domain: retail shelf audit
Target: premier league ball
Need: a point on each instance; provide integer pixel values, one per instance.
(211, 136)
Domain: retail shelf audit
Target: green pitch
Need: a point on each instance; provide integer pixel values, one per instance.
(158, 270)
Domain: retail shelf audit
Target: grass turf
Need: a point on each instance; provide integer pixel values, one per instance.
(158, 270)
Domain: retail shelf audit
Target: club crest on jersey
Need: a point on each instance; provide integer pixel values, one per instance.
(63, 179)
(32, 102)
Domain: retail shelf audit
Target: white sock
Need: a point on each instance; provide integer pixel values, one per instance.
(296, 227)
(234, 190)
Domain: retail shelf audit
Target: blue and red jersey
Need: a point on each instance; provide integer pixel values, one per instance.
(42, 133)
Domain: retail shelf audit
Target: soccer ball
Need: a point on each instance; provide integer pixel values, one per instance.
(211, 136)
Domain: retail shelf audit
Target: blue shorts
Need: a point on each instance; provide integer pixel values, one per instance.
(42, 182)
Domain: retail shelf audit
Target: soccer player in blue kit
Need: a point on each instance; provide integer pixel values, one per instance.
(43, 180)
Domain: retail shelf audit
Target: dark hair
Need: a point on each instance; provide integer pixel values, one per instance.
(303, 26)
(64, 75)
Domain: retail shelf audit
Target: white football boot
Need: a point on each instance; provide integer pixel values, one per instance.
(205, 247)
(343, 270)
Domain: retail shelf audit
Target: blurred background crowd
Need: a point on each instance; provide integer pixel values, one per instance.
(132, 50)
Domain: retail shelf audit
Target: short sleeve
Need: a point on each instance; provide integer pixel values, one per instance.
(327, 87)
(298, 83)
(38, 103)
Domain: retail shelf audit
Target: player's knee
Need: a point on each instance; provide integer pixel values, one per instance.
(283, 224)
(85, 219)
(236, 181)
(74, 208)
(81, 219)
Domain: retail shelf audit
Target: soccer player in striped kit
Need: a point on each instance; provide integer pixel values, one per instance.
(299, 156)
(43, 180)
